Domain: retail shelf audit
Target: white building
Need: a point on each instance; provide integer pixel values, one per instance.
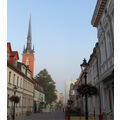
(103, 20)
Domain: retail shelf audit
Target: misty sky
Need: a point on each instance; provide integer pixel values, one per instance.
(62, 34)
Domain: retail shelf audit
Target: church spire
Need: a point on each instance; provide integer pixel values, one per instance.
(29, 40)
(29, 37)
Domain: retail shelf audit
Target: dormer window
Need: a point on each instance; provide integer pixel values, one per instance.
(8, 55)
(15, 61)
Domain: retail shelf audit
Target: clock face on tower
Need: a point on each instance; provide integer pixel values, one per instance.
(27, 61)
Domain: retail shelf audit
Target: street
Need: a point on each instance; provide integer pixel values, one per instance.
(45, 116)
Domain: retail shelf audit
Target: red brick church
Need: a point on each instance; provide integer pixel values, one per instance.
(28, 52)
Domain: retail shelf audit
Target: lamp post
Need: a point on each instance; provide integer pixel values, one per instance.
(84, 68)
(14, 89)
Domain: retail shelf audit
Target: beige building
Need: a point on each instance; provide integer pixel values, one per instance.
(28, 87)
(14, 78)
(59, 103)
(93, 78)
(60, 97)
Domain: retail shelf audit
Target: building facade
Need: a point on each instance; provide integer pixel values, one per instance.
(93, 78)
(28, 87)
(17, 74)
(103, 20)
(39, 97)
(67, 89)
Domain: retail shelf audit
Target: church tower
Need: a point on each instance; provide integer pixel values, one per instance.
(28, 52)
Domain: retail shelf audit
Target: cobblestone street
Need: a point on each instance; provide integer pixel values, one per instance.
(45, 116)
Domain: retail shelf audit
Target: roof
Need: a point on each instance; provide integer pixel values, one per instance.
(93, 53)
(78, 80)
(14, 54)
(100, 6)
(16, 69)
(20, 63)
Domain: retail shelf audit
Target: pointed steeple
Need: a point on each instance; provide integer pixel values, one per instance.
(29, 37)
(29, 40)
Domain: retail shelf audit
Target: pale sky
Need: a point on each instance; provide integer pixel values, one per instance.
(62, 34)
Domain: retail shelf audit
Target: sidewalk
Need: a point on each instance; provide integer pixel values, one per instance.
(44, 116)
(30, 117)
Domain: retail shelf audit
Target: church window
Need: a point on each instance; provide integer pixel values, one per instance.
(27, 61)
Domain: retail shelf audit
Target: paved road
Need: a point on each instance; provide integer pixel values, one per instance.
(45, 116)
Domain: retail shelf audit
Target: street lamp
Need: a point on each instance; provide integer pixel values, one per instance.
(15, 90)
(84, 70)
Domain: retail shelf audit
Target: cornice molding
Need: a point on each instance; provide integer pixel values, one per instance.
(100, 6)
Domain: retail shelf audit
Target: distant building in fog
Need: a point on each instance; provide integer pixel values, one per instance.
(67, 89)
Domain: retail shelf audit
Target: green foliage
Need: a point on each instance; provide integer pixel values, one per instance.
(48, 85)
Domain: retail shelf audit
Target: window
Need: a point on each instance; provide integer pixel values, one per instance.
(8, 100)
(15, 61)
(18, 81)
(102, 50)
(110, 102)
(108, 44)
(8, 54)
(24, 101)
(9, 76)
(27, 61)
(14, 79)
(21, 83)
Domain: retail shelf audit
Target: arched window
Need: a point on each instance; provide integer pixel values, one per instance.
(27, 61)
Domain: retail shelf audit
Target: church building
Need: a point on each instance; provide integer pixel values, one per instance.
(28, 52)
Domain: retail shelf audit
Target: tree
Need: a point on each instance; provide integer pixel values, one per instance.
(48, 85)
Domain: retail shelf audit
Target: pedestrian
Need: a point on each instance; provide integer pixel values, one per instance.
(67, 113)
(63, 109)
(8, 118)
